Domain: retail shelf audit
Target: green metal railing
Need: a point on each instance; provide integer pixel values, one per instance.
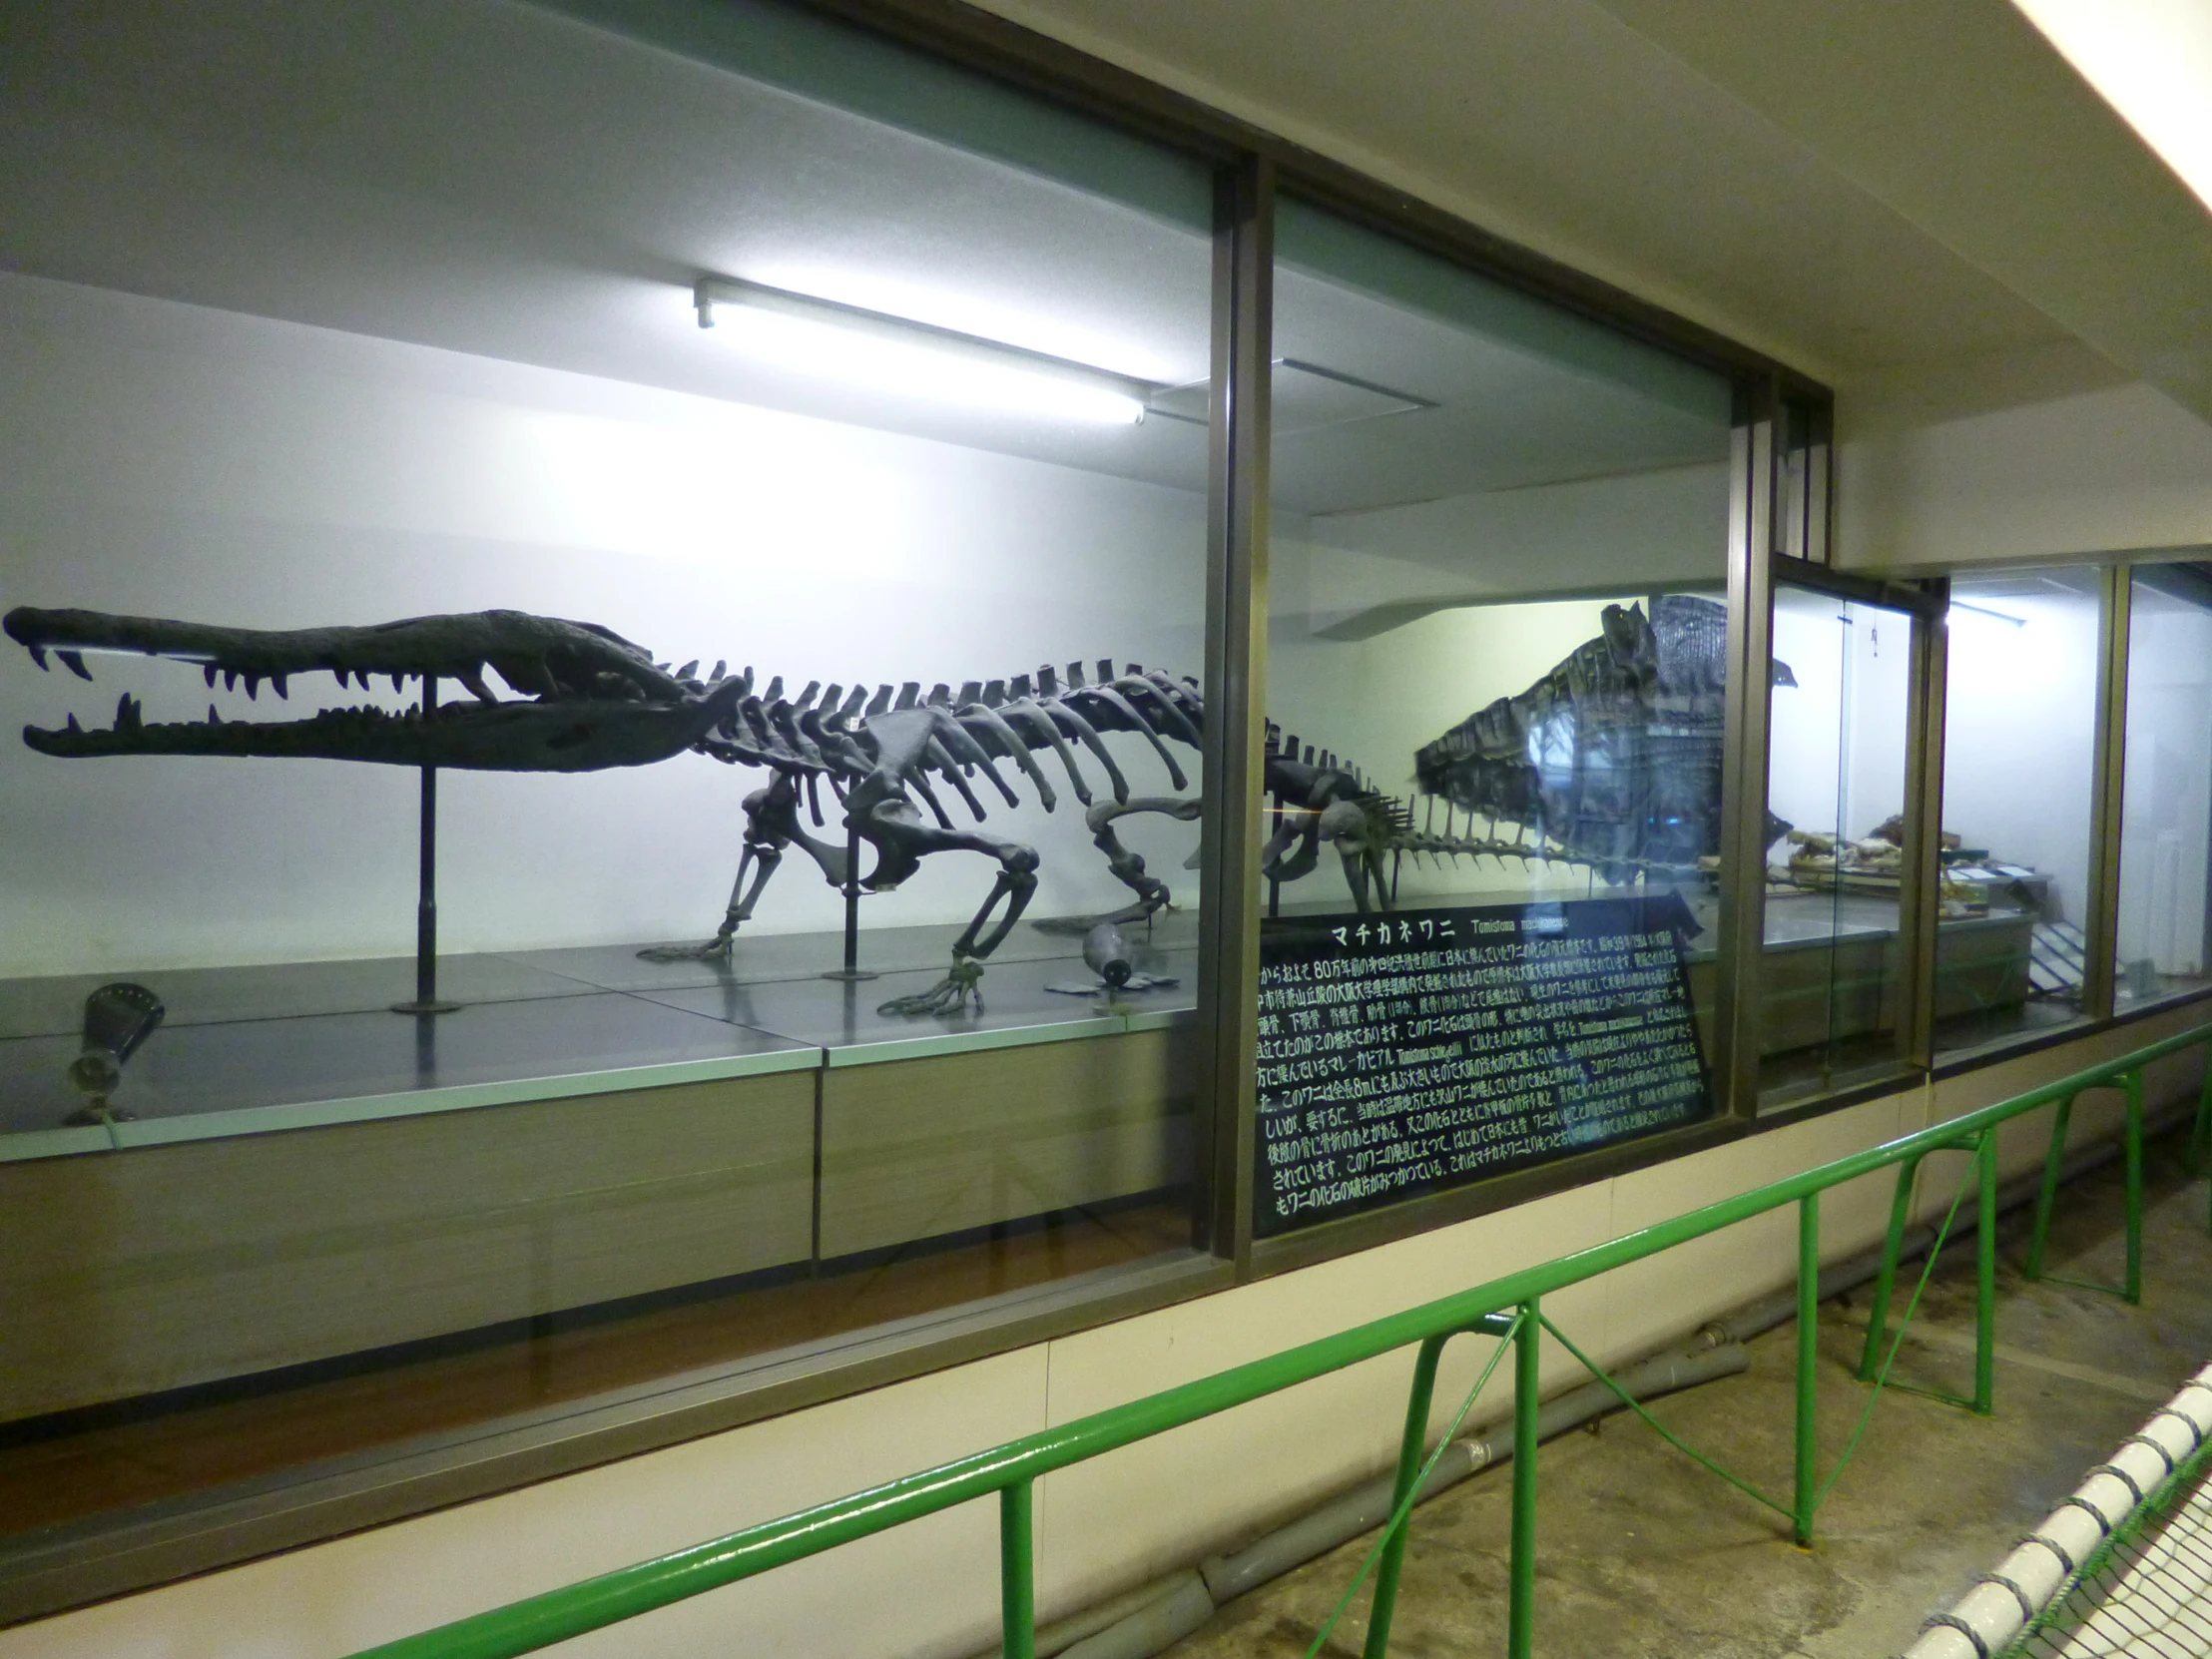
(1508, 1309)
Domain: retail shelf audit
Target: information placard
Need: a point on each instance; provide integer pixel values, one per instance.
(1420, 1051)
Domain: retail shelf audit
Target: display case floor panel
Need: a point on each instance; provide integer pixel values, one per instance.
(254, 1049)
(1019, 1005)
(1966, 1033)
(56, 1471)
(197, 1080)
(756, 958)
(55, 1007)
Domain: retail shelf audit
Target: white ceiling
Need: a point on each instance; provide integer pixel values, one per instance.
(496, 178)
(1853, 187)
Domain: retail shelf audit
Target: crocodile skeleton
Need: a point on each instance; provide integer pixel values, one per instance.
(1614, 755)
(588, 699)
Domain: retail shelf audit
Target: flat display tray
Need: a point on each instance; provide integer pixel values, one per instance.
(292, 1046)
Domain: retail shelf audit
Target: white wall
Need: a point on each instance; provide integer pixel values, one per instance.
(930, 1589)
(1804, 768)
(1837, 754)
(2019, 733)
(2000, 474)
(2166, 812)
(168, 460)
(1881, 679)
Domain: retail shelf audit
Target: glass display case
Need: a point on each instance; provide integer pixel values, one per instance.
(2166, 812)
(2019, 739)
(1496, 668)
(1832, 972)
(667, 768)
(457, 553)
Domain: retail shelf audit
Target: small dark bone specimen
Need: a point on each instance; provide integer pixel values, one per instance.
(1108, 954)
(595, 700)
(1614, 757)
(118, 1019)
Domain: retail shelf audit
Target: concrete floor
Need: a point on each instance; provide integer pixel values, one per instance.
(1641, 1553)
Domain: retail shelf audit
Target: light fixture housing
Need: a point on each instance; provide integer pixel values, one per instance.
(919, 359)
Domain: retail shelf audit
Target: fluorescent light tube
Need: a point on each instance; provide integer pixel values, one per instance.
(912, 360)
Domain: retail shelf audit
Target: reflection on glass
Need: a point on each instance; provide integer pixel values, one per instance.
(924, 629)
(2166, 812)
(2020, 712)
(1828, 985)
(1497, 615)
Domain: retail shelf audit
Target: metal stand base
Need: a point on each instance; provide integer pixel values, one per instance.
(431, 1007)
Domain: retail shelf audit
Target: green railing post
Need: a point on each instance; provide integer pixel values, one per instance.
(1986, 1287)
(2046, 1197)
(1411, 1452)
(1017, 1572)
(1807, 1363)
(1893, 1243)
(2200, 1131)
(2134, 1287)
(1520, 1607)
(1412, 1449)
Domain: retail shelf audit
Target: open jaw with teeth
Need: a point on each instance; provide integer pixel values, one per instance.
(587, 698)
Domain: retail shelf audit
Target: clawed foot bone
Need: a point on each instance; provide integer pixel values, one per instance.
(716, 950)
(949, 995)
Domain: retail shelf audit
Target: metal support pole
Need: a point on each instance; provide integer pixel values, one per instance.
(1411, 1447)
(427, 999)
(850, 971)
(2134, 1083)
(1886, 1281)
(1018, 1574)
(1985, 1289)
(2046, 1198)
(426, 897)
(1808, 1363)
(1520, 1611)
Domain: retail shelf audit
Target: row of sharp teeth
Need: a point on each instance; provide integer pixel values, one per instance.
(278, 683)
(130, 715)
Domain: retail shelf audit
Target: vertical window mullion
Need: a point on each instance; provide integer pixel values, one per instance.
(2101, 947)
(1236, 705)
(1753, 488)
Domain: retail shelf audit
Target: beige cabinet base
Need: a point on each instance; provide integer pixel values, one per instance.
(125, 1273)
(914, 1149)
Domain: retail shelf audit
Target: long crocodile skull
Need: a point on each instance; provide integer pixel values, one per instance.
(590, 699)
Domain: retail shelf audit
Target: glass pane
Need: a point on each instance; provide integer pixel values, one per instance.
(1495, 674)
(1828, 985)
(2166, 812)
(1801, 506)
(913, 541)
(2019, 741)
